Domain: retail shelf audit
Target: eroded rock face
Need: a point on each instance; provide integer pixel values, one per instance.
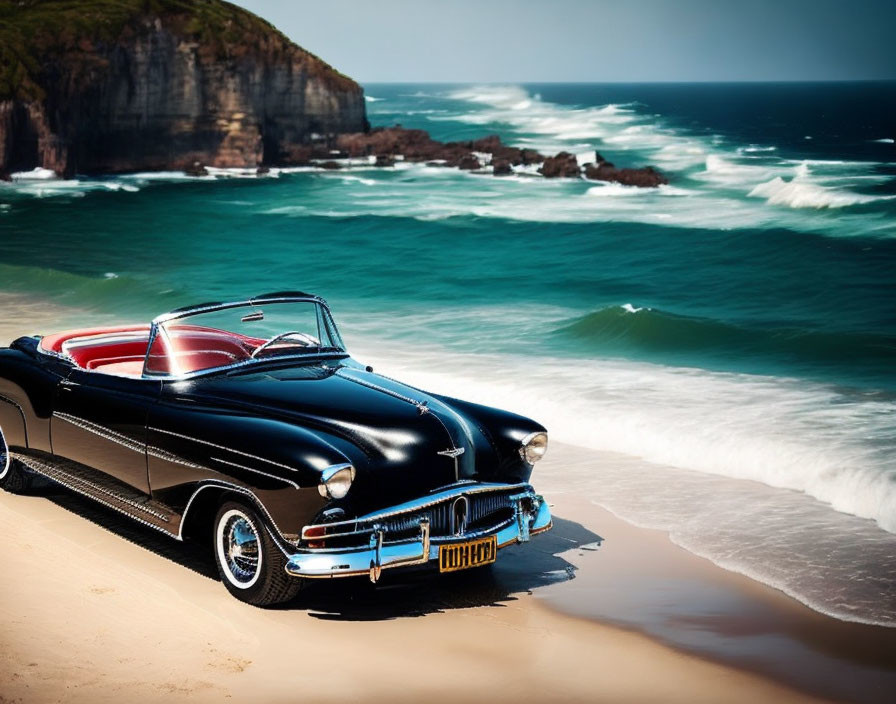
(159, 94)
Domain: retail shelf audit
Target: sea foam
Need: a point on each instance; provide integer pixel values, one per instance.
(801, 192)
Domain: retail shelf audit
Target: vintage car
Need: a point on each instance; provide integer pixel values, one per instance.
(249, 425)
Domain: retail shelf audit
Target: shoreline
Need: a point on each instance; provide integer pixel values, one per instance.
(640, 580)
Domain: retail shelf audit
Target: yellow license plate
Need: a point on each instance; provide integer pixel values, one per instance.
(465, 555)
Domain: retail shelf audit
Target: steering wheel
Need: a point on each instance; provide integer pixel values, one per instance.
(305, 340)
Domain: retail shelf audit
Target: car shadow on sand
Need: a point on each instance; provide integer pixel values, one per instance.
(520, 569)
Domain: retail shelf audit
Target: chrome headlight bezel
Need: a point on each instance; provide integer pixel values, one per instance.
(336, 480)
(534, 446)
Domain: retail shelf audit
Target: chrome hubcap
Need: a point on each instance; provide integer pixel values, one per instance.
(240, 543)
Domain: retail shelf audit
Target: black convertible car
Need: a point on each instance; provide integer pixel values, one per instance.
(249, 422)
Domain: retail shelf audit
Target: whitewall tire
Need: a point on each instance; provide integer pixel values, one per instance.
(249, 562)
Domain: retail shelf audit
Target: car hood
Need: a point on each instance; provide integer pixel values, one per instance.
(398, 437)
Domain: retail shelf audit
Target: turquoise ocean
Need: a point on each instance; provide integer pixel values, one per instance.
(726, 343)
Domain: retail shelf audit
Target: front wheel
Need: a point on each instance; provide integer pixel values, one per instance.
(249, 563)
(13, 476)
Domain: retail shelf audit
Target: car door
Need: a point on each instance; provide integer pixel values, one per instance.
(99, 420)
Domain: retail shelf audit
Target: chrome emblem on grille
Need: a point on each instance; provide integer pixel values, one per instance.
(460, 510)
(453, 452)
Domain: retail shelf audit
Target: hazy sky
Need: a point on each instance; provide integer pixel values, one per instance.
(593, 40)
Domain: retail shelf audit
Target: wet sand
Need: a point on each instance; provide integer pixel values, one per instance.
(637, 579)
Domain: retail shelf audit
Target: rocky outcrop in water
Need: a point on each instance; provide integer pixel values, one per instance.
(603, 170)
(129, 85)
(418, 146)
(386, 145)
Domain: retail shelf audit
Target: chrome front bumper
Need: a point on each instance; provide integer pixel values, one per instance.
(531, 516)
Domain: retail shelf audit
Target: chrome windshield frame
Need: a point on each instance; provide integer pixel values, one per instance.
(157, 326)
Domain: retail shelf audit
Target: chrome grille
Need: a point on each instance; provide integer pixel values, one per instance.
(483, 507)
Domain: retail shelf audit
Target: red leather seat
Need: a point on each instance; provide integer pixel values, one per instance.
(122, 349)
(112, 350)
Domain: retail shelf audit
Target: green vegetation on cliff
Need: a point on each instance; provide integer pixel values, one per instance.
(35, 34)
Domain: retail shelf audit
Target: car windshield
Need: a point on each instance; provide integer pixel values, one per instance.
(224, 336)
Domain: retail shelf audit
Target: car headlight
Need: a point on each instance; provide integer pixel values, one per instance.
(335, 481)
(534, 446)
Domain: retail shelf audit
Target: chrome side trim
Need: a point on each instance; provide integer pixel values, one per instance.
(53, 474)
(166, 456)
(11, 402)
(221, 447)
(422, 407)
(102, 431)
(256, 471)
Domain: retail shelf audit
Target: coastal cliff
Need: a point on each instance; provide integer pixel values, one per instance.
(105, 86)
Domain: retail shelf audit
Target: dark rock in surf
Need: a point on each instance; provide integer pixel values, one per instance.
(501, 167)
(646, 177)
(564, 165)
(468, 162)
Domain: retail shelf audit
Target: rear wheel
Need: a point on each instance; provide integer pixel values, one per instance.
(14, 478)
(250, 564)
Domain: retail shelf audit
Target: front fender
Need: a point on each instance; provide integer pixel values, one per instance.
(504, 431)
(189, 446)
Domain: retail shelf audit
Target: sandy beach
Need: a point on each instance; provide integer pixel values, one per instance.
(99, 609)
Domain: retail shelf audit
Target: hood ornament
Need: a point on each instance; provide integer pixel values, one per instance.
(452, 452)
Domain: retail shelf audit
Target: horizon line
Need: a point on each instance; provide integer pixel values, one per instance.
(638, 82)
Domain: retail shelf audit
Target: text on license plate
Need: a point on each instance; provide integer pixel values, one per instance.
(464, 555)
